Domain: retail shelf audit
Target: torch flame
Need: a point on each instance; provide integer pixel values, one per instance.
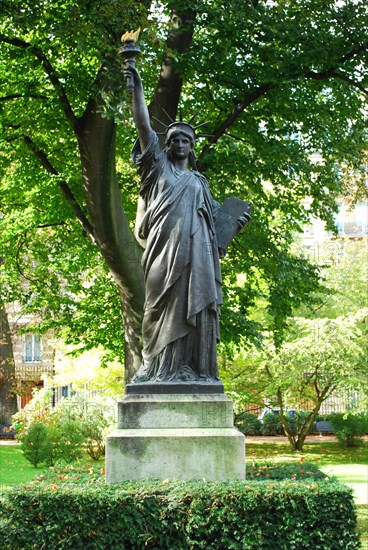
(131, 36)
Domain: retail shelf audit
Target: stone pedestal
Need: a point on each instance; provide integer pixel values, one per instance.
(176, 437)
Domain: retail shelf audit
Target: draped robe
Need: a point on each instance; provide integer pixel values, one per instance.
(181, 269)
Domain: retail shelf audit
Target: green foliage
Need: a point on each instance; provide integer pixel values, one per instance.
(248, 423)
(276, 81)
(319, 357)
(52, 443)
(36, 444)
(349, 428)
(91, 370)
(95, 424)
(271, 424)
(66, 441)
(72, 425)
(284, 470)
(70, 509)
(344, 267)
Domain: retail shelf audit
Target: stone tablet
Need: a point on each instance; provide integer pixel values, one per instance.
(226, 223)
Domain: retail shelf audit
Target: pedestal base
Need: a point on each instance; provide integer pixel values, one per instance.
(175, 436)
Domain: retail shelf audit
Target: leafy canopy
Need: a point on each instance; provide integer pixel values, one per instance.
(277, 82)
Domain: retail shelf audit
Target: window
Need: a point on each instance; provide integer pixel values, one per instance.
(32, 348)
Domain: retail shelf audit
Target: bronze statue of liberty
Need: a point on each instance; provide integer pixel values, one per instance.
(176, 225)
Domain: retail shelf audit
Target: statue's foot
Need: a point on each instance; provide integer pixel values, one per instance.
(210, 379)
(139, 378)
(186, 374)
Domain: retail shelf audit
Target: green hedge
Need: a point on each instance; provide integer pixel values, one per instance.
(248, 423)
(80, 511)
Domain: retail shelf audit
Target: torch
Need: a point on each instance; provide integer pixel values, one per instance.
(129, 51)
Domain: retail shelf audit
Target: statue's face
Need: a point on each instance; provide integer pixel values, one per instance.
(180, 146)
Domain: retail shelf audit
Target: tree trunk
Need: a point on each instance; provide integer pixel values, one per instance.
(8, 398)
(164, 104)
(112, 233)
(297, 441)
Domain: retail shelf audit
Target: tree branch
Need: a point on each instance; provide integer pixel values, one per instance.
(17, 261)
(167, 93)
(261, 90)
(332, 71)
(65, 189)
(235, 113)
(49, 70)
(355, 51)
(333, 74)
(18, 96)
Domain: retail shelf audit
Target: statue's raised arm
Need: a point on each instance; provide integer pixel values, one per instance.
(140, 110)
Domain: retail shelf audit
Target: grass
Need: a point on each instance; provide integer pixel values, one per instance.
(350, 466)
(317, 452)
(15, 469)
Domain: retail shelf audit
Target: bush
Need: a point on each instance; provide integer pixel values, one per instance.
(95, 425)
(285, 470)
(76, 511)
(271, 424)
(297, 421)
(71, 425)
(248, 423)
(66, 440)
(36, 444)
(349, 428)
(53, 443)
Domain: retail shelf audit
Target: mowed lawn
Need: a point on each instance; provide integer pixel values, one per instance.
(14, 468)
(349, 466)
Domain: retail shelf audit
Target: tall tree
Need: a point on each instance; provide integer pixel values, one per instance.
(324, 352)
(8, 398)
(323, 358)
(276, 81)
